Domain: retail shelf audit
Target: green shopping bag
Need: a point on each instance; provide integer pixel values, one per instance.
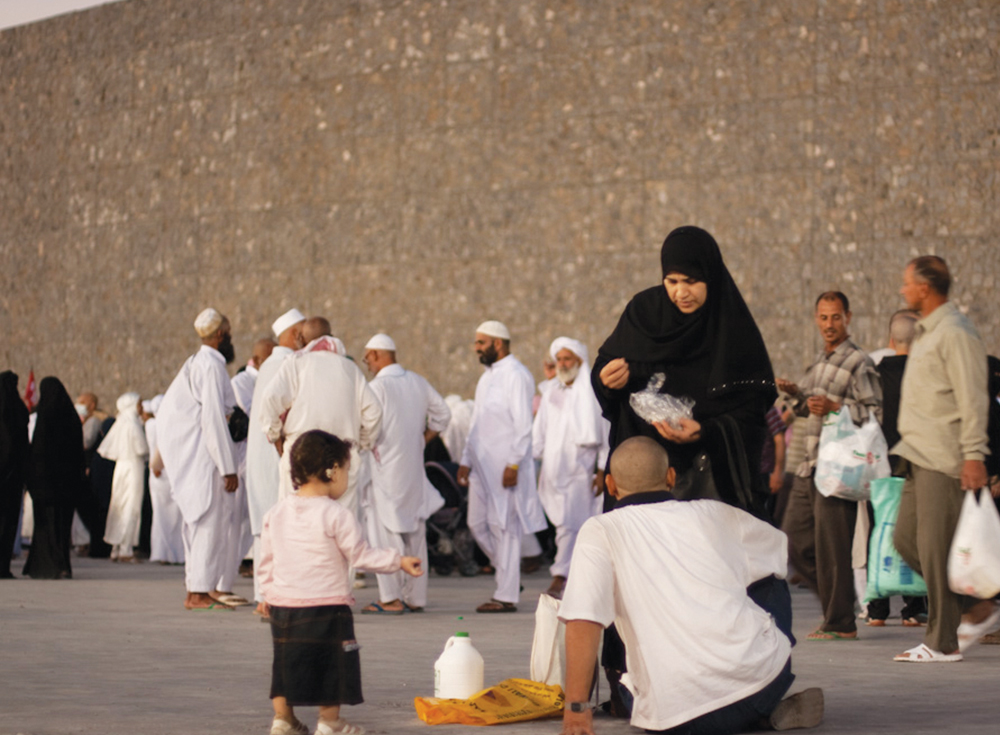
(888, 574)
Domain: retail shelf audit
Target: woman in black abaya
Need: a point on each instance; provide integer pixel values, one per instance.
(697, 330)
(55, 477)
(13, 453)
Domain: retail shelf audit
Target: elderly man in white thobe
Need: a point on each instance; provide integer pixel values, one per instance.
(570, 437)
(497, 466)
(262, 460)
(199, 456)
(319, 388)
(400, 498)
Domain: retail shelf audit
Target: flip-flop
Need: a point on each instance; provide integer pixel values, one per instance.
(214, 606)
(232, 600)
(496, 606)
(830, 635)
(923, 655)
(377, 609)
(411, 609)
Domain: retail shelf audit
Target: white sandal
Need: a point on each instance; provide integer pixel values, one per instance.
(970, 633)
(338, 727)
(924, 655)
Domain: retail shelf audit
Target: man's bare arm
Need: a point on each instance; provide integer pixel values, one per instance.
(582, 639)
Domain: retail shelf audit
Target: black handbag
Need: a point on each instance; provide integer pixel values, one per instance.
(239, 424)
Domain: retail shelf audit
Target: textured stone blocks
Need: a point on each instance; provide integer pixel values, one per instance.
(416, 166)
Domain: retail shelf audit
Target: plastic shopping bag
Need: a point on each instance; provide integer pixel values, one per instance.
(850, 457)
(974, 559)
(888, 574)
(548, 647)
(512, 700)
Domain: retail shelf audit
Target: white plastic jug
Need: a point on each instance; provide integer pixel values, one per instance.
(458, 672)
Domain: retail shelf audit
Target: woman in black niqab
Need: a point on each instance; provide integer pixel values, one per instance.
(714, 355)
(13, 453)
(55, 478)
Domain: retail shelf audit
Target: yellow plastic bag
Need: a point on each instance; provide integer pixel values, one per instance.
(512, 700)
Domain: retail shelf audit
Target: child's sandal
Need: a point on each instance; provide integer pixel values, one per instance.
(338, 727)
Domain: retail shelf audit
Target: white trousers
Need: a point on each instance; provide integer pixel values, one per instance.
(565, 541)
(501, 545)
(166, 536)
(258, 596)
(400, 585)
(207, 552)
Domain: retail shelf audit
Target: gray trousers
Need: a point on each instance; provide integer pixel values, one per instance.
(928, 515)
(820, 536)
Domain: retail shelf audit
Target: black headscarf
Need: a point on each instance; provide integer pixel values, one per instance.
(13, 433)
(56, 468)
(718, 346)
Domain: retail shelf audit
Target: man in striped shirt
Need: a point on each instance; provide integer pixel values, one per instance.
(820, 529)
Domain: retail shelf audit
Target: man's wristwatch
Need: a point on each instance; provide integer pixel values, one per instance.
(578, 706)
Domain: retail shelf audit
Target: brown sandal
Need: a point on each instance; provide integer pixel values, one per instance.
(496, 606)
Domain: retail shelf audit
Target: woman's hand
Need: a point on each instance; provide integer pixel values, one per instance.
(614, 375)
(690, 431)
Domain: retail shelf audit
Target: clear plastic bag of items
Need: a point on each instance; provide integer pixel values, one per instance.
(654, 406)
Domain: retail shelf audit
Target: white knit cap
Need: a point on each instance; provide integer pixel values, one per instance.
(208, 322)
(493, 328)
(289, 319)
(381, 342)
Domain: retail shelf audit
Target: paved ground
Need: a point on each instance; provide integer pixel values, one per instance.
(113, 651)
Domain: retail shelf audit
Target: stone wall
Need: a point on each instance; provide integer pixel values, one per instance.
(416, 167)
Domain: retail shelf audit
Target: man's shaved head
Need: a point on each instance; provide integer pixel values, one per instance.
(640, 465)
(262, 349)
(315, 328)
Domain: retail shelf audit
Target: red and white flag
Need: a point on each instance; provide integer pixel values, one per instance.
(31, 391)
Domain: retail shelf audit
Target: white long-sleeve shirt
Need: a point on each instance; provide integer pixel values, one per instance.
(308, 545)
(194, 439)
(401, 493)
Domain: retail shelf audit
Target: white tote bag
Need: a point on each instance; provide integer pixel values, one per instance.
(548, 648)
(850, 456)
(974, 559)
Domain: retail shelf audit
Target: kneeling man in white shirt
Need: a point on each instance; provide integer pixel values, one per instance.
(703, 656)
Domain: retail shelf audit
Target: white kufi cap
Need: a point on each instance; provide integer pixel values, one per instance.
(381, 342)
(207, 322)
(493, 328)
(289, 319)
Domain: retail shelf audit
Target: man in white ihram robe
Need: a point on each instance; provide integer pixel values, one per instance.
(570, 437)
(400, 497)
(318, 388)
(497, 466)
(262, 461)
(198, 454)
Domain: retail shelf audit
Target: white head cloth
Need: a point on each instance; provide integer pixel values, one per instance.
(575, 346)
(493, 328)
(126, 439)
(154, 403)
(208, 322)
(289, 319)
(381, 342)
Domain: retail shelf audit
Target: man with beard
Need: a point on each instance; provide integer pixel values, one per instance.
(820, 529)
(199, 456)
(571, 438)
(496, 464)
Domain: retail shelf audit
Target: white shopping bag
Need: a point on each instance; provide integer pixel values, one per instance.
(850, 456)
(548, 648)
(974, 559)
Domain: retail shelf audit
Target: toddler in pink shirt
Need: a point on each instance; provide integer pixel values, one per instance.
(308, 544)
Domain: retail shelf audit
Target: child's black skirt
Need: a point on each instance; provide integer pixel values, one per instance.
(316, 660)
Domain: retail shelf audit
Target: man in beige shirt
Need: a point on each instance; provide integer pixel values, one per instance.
(943, 412)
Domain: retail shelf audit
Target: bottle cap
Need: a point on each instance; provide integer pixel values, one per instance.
(461, 635)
